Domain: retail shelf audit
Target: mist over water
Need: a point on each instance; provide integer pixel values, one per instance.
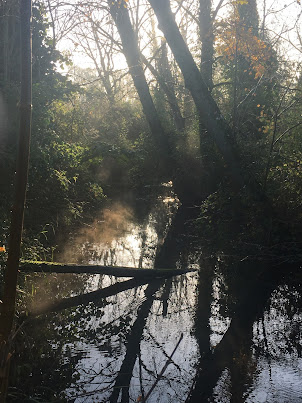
(109, 225)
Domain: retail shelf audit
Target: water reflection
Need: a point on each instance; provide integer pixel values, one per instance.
(259, 331)
(120, 237)
(235, 326)
(277, 342)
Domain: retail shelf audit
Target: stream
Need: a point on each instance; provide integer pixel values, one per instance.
(228, 332)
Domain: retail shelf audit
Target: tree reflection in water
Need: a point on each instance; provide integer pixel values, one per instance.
(241, 323)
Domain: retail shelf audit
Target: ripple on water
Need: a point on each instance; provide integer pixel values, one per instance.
(277, 382)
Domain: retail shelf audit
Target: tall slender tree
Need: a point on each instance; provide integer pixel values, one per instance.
(11, 272)
(10, 279)
(207, 108)
(183, 178)
(164, 79)
(131, 51)
(207, 41)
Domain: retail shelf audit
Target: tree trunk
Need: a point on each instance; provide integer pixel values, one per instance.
(170, 94)
(183, 180)
(14, 245)
(207, 42)
(207, 108)
(131, 51)
(165, 73)
(103, 72)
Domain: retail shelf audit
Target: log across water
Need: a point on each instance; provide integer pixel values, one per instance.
(49, 267)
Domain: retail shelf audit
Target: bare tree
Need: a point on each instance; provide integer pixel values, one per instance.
(207, 108)
(131, 51)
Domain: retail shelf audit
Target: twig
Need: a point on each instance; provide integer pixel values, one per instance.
(163, 369)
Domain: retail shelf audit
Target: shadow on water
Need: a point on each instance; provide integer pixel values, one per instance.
(234, 327)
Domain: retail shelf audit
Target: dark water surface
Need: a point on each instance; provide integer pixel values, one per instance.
(234, 328)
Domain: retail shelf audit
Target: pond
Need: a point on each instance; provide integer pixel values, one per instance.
(228, 332)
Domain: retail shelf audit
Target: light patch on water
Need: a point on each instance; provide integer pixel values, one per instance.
(167, 200)
(218, 323)
(135, 248)
(115, 239)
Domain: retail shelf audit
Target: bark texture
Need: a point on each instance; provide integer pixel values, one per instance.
(131, 51)
(207, 41)
(207, 108)
(14, 244)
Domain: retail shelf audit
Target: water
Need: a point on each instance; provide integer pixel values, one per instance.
(237, 338)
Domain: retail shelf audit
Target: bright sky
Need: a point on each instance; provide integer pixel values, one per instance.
(282, 18)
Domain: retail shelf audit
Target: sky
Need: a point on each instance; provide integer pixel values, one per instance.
(282, 17)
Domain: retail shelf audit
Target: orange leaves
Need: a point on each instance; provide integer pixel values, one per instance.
(120, 3)
(2, 249)
(235, 40)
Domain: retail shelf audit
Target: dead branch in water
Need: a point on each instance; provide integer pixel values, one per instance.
(49, 267)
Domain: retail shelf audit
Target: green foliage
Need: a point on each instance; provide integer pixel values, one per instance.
(82, 147)
(67, 172)
(86, 148)
(62, 177)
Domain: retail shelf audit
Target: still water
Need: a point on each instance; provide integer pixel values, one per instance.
(228, 332)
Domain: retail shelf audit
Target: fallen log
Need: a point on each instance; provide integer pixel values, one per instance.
(50, 267)
(93, 296)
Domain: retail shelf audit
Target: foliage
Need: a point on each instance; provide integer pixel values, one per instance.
(249, 62)
(91, 142)
(80, 145)
(87, 146)
(235, 39)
